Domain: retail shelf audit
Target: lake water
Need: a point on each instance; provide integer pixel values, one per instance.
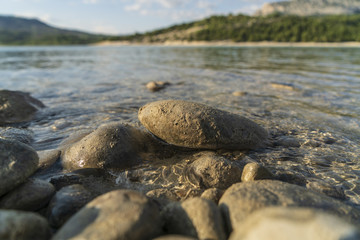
(307, 98)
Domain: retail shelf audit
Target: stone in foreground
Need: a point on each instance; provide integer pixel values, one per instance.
(110, 146)
(195, 217)
(17, 162)
(194, 125)
(18, 225)
(17, 107)
(242, 199)
(295, 224)
(117, 215)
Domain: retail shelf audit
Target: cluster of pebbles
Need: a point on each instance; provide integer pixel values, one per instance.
(234, 201)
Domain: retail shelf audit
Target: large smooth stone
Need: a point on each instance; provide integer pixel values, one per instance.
(242, 199)
(213, 171)
(195, 217)
(294, 224)
(110, 146)
(17, 107)
(18, 225)
(30, 196)
(194, 125)
(120, 214)
(17, 162)
(66, 203)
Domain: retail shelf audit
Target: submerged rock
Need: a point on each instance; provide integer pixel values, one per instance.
(194, 125)
(18, 225)
(110, 146)
(295, 224)
(254, 171)
(155, 86)
(66, 203)
(211, 170)
(17, 107)
(195, 217)
(120, 214)
(30, 196)
(242, 199)
(17, 162)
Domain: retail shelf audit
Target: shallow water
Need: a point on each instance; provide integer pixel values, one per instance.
(308, 99)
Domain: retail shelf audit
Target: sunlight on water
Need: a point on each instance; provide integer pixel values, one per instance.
(308, 99)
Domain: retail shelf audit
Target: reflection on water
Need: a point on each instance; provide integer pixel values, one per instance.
(305, 95)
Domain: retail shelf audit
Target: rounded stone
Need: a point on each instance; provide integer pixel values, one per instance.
(155, 86)
(242, 199)
(17, 107)
(17, 162)
(66, 203)
(194, 125)
(296, 224)
(110, 146)
(254, 171)
(174, 237)
(213, 171)
(18, 225)
(120, 214)
(195, 217)
(30, 196)
(213, 194)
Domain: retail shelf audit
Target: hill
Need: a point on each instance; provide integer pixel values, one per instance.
(311, 7)
(242, 28)
(23, 31)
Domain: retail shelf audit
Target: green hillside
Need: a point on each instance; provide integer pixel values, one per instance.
(241, 28)
(23, 31)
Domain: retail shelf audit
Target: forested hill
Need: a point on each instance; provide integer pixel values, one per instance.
(23, 31)
(276, 27)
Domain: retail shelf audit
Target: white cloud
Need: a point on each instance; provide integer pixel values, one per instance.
(90, 1)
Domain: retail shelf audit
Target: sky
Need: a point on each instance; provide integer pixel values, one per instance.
(124, 16)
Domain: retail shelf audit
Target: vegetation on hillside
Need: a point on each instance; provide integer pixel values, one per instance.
(278, 28)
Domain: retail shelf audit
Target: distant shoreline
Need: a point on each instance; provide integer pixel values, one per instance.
(230, 44)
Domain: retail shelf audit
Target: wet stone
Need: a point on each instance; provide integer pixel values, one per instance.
(17, 134)
(210, 170)
(30, 196)
(242, 199)
(115, 146)
(17, 107)
(17, 162)
(327, 189)
(174, 237)
(155, 86)
(19, 225)
(254, 171)
(195, 217)
(120, 214)
(295, 224)
(66, 203)
(194, 125)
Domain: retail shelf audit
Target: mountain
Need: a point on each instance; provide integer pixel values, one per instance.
(24, 31)
(311, 7)
(242, 28)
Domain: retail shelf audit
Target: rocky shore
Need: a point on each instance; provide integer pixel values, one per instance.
(91, 186)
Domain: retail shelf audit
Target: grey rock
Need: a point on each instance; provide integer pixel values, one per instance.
(47, 158)
(66, 203)
(242, 199)
(162, 193)
(174, 237)
(327, 189)
(18, 225)
(17, 162)
(30, 196)
(194, 125)
(120, 214)
(254, 171)
(195, 217)
(288, 141)
(213, 194)
(295, 224)
(17, 107)
(116, 146)
(211, 170)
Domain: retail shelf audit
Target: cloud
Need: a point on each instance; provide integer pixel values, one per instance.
(90, 1)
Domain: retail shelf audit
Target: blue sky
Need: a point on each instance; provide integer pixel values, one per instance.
(124, 16)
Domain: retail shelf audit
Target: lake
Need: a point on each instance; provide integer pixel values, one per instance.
(307, 98)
